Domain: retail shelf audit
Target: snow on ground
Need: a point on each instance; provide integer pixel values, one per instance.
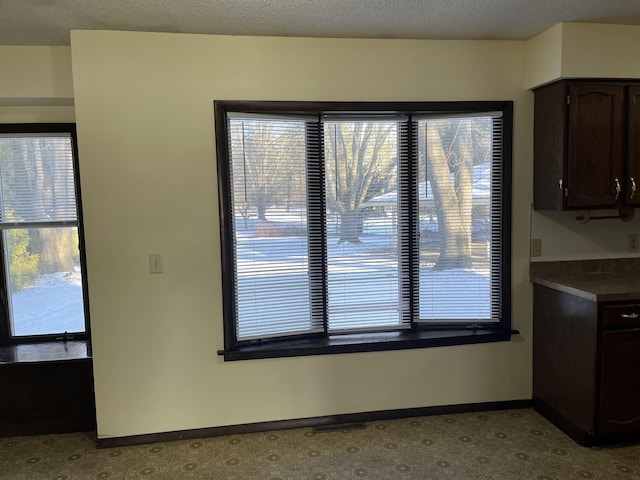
(52, 304)
(363, 283)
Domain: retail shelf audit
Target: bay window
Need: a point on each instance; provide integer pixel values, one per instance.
(363, 226)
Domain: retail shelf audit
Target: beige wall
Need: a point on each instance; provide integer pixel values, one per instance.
(583, 50)
(566, 238)
(544, 57)
(36, 84)
(604, 51)
(145, 123)
(35, 72)
(574, 50)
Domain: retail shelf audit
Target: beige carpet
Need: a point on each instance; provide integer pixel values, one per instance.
(510, 445)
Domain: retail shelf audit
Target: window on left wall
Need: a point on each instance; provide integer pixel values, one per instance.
(43, 288)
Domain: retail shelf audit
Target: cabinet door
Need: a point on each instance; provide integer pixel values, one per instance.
(595, 149)
(633, 158)
(549, 146)
(620, 381)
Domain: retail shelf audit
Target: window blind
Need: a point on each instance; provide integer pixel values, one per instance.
(36, 180)
(499, 259)
(361, 222)
(273, 279)
(460, 212)
(364, 241)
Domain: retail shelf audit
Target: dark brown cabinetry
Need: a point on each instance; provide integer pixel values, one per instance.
(586, 365)
(633, 145)
(46, 388)
(620, 369)
(586, 145)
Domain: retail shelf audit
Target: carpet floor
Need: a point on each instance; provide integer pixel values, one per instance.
(497, 445)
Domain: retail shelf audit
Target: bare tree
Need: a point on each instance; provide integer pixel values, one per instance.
(361, 160)
(268, 161)
(451, 147)
(455, 235)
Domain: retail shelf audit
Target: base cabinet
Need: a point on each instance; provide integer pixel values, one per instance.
(48, 397)
(586, 365)
(620, 381)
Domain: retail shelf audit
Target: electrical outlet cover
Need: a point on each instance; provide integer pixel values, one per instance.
(536, 247)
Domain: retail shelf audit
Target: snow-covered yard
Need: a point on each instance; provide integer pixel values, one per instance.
(362, 280)
(52, 304)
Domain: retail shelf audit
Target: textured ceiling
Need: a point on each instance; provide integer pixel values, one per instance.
(48, 22)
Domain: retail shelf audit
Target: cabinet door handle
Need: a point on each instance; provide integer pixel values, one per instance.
(632, 316)
(633, 188)
(618, 188)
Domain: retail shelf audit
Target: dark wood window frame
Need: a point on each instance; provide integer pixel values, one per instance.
(9, 343)
(419, 336)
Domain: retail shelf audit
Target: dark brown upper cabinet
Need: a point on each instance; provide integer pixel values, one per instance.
(587, 145)
(633, 146)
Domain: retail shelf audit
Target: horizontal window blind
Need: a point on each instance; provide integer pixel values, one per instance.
(36, 180)
(273, 282)
(364, 221)
(363, 241)
(459, 199)
(42, 255)
(497, 260)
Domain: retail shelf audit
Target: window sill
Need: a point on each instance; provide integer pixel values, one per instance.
(45, 352)
(369, 342)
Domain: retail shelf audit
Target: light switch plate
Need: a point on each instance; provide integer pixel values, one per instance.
(155, 263)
